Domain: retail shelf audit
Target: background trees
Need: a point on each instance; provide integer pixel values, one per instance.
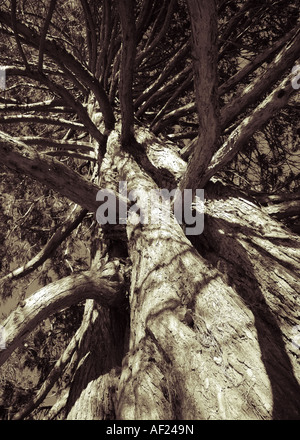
(81, 73)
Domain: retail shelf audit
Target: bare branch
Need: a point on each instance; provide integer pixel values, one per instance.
(77, 106)
(14, 27)
(44, 33)
(126, 12)
(143, 19)
(252, 93)
(105, 287)
(179, 89)
(178, 56)
(283, 61)
(163, 91)
(236, 18)
(162, 32)
(74, 103)
(91, 35)
(174, 115)
(256, 62)
(42, 120)
(238, 138)
(49, 105)
(107, 43)
(110, 45)
(58, 143)
(71, 154)
(67, 61)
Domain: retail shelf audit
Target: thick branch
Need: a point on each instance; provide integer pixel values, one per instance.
(203, 16)
(20, 158)
(252, 93)
(105, 287)
(126, 11)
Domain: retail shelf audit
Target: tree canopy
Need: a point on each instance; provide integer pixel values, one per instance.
(160, 94)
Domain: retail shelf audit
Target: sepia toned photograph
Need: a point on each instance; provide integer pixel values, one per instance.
(149, 212)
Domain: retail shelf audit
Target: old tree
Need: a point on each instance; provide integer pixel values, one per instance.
(196, 94)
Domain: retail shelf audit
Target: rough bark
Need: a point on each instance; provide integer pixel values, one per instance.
(95, 380)
(192, 331)
(260, 260)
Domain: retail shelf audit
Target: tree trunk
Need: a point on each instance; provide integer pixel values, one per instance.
(210, 329)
